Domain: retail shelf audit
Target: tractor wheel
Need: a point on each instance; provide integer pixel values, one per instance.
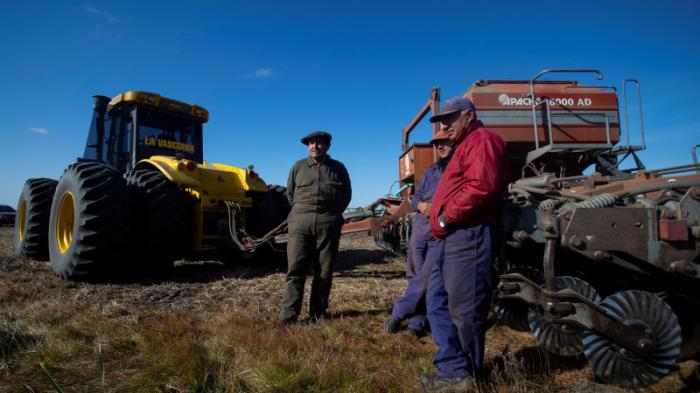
(32, 220)
(90, 220)
(164, 214)
(279, 194)
(269, 210)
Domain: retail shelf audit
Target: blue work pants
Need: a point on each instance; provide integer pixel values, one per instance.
(411, 305)
(458, 296)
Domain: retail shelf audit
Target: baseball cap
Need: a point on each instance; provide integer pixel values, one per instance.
(439, 136)
(453, 105)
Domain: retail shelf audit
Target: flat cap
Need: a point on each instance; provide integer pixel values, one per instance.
(453, 105)
(316, 135)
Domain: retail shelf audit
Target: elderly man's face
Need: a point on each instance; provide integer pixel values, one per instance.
(444, 147)
(318, 147)
(455, 124)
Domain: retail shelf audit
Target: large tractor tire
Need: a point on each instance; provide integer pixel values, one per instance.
(163, 218)
(279, 194)
(90, 220)
(269, 210)
(32, 219)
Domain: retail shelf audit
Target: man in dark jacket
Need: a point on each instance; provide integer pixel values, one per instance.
(411, 305)
(462, 217)
(318, 188)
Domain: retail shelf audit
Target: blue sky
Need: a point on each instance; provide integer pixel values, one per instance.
(270, 72)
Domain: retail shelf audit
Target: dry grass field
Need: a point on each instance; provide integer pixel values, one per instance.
(211, 327)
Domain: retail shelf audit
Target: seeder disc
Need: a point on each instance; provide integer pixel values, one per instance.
(621, 366)
(513, 313)
(560, 339)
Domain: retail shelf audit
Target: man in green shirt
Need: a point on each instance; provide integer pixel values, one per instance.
(318, 188)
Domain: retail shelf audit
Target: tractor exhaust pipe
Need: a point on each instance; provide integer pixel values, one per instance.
(99, 107)
(99, 104)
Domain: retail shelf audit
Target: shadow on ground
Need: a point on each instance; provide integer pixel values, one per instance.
(349, 259)
(186, 271)
(530, 365)
(215, 268)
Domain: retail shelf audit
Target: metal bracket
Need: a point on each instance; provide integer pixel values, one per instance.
(569, 307)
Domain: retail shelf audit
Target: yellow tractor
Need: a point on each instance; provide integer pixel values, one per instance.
(143, 195)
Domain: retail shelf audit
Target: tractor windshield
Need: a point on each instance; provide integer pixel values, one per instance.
(168, 135)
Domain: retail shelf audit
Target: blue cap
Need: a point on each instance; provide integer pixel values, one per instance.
(453, 105)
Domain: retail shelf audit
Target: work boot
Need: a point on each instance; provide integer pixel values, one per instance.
(434, 383)
(392, 325)
(413, 333)
(320, 319)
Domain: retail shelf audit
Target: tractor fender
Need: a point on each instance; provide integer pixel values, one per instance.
(168, 166)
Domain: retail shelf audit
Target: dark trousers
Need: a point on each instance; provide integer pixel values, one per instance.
(411, 305)
(458, 299)
(417, 246)
(313, 243)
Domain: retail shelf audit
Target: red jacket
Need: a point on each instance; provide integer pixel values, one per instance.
(471, 189)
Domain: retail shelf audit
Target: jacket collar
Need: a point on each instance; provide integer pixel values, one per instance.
(469, 130)
(311, 162)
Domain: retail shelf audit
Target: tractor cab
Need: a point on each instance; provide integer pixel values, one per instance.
(138, 125)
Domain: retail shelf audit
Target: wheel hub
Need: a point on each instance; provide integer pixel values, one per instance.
(22, 218)
(649, 341)
(65, 222)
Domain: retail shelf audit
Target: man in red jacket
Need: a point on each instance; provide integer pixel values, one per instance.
(462, 217)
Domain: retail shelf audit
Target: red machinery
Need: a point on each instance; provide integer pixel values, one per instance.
(552, 126)
(606, 264)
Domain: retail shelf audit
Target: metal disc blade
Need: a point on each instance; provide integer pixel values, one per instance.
(513, 313)
(564, 340)
(623, 367)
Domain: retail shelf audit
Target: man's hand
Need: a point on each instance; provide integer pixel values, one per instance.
(424, 208)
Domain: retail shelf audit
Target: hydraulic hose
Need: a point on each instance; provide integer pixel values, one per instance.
(607, 199)
(550, 193)
(686, 183)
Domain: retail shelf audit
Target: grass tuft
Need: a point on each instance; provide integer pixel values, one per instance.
(14, 337)
(50, 377)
